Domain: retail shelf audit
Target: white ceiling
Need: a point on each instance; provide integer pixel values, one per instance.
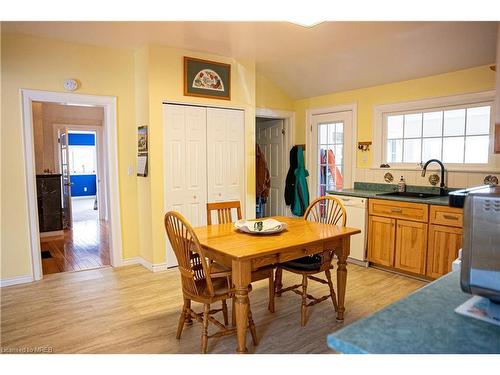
(303, 62)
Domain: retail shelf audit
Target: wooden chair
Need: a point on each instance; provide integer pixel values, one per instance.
(224, 216)
(198, 285)
(328, 210)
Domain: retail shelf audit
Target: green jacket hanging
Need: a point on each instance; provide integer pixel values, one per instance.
(301, 200)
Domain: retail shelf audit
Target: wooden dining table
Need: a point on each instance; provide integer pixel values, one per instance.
(244, 252)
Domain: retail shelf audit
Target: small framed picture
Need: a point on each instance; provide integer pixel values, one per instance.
(207, 79)
(142, 139)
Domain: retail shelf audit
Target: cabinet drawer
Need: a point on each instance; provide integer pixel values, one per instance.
(264, 261)
(444, 215)
(399, 210)
(299, 253)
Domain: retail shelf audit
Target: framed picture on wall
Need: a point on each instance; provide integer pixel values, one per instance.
(142, 139)
(207, 79)
(142, 151)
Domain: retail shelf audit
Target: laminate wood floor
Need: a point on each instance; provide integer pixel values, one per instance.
(132, 310)
(83, 247)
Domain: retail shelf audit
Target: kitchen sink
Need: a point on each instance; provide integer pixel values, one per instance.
(410, 194)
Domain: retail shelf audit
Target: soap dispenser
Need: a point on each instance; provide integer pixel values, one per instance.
(402, 185)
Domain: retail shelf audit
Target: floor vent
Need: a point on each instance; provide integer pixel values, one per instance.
(46, 254)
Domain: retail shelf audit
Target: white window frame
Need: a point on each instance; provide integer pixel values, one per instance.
(72, 148)
(311, 145)
(425, 105)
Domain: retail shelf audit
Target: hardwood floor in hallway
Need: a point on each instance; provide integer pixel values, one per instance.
(132, 310)
(83, 247)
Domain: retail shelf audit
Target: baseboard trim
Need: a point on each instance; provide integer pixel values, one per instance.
(131, 261)
(84, 197)
(16, 280)
(158, 267)
(358, 262)
(53, 233)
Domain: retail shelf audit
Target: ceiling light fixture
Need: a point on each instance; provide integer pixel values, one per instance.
(308, 23)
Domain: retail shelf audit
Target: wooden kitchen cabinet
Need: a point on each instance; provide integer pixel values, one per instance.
(381, 232)
(444, 243)
(411, 246)
(415, 238)
(445, 239)
(397, 234)
(399, 210)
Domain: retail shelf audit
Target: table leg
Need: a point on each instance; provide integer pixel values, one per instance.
(342, 276)
(241, 272)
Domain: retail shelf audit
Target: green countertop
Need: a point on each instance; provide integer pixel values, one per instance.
(370, 190)
(423, 322)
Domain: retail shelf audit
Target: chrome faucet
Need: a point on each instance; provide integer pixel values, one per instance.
(442, 186)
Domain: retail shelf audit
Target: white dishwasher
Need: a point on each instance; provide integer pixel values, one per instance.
(356, 218)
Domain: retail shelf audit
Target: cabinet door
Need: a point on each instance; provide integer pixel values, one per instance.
(381, 233)
(444, 243)
(411, 246)
(225, 154)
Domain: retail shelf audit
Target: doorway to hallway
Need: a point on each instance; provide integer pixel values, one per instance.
(72, 207)
(270, 166)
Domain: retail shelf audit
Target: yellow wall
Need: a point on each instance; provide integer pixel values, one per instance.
(459, 82)
(141, 80)
(165, 72)
(269, 96)
(141, 77)
(43, 64)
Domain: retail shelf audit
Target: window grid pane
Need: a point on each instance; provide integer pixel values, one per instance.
(330, 156)
(459, 135)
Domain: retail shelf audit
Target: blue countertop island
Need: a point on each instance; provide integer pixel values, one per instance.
(422, 323)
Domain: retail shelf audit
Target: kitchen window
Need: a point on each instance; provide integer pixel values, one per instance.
(457, 134)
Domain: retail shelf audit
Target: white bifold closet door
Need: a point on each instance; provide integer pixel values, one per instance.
(225, 148)
(204, 160)
(185, 166)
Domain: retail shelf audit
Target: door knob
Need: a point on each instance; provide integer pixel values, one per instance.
(194, 196)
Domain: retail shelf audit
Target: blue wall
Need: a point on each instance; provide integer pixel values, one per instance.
(80, 139)
(82, 181)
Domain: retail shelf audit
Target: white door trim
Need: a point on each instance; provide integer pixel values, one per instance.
(110, 150)
(353, 108)
(288, 118)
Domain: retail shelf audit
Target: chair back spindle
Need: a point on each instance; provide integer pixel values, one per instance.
(193, 265)
(224, 211)
(327, 210)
